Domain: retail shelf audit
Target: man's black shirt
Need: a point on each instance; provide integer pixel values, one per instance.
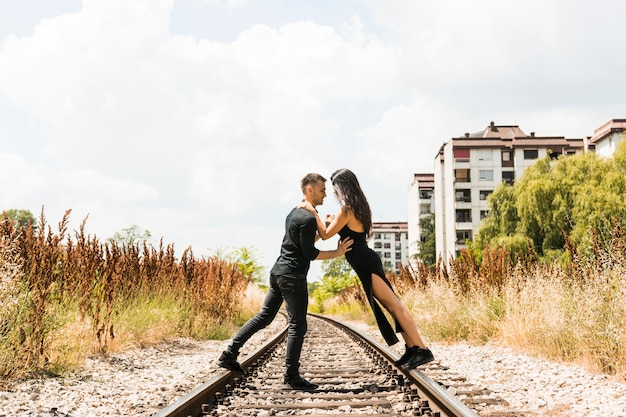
(298, 247)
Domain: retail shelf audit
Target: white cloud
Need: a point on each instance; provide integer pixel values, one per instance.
(93, 186)
(405, 140)
(200, 140)
(20, 180)
(224, 128)
(33, 187)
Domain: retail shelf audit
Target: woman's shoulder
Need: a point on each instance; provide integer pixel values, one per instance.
(354, 224)
(346, 211)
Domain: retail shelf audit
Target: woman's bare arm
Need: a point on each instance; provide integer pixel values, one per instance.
(329, 229)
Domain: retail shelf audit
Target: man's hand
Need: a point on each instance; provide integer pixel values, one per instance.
(343, 246)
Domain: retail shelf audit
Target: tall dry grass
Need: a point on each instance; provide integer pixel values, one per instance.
(574, 312)
(64, 297)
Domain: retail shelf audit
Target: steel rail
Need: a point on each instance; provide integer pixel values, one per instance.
(445, 402)
(206, 394)
(191, 403)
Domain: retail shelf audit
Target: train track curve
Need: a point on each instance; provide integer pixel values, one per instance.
(355, 374)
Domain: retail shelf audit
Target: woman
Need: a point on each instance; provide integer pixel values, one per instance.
(354, 220)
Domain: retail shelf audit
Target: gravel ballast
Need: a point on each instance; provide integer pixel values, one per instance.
(141, 381)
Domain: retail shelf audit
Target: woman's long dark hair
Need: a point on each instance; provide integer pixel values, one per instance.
(351, 196)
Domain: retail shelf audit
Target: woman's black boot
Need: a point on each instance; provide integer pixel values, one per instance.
(405, 357)
(419, 356)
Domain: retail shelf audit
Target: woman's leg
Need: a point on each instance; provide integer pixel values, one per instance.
(391, 302)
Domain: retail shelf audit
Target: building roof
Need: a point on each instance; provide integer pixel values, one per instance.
(612, 126)
(424, 181)
(395, 226)
(546, 142)
(501, 132)
(423, 177)
(495, 136)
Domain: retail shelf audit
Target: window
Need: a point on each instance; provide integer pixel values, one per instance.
(387, 245)
(398, 255)
(387, 255)
(483, 214)
(378, 245)
(424, 208)
(462, 175)
(398, 236)
(484, 194)
(426, 195)
(485, 174)
(484, 154)
(463, 216)
(376, 235)
(462, 154)
(507, 158)
(531, 154)
(508, 177)
(463, 196)
(398, 246)
(463, 236)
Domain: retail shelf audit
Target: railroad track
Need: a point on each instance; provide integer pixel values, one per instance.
(355, 375)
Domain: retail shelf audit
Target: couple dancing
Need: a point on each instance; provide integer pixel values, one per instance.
(288, 276)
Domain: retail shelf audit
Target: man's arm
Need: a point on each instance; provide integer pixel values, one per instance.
(342, 247)
(308, 235)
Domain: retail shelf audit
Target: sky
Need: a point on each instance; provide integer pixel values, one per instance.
(196, 119)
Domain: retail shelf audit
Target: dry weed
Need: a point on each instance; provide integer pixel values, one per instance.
(62, 294)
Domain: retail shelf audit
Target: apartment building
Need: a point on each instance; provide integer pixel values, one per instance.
(391, 242)
(606, 137)
(421, 204)
(467, 169)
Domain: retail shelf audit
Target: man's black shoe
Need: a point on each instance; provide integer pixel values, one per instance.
(419, 356)
(301, 384)
(404, 358)
(229, 362)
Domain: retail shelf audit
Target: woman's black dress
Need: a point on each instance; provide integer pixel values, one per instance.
(366, 262)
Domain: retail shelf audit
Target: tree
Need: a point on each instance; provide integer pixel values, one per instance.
(500, 227)
(246, 259)
(249, 263)
(131, 235)
(426, 246)
(503, 219)
(338, 275)
(20, 218)
(571, 197)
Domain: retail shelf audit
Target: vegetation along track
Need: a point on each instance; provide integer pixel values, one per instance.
(355, 375)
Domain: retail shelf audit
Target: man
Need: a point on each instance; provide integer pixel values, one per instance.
(288, 283)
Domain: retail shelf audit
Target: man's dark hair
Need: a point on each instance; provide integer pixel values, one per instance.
(310, 179)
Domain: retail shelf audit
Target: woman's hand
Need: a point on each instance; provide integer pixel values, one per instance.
(308, 206)
(329, 219)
